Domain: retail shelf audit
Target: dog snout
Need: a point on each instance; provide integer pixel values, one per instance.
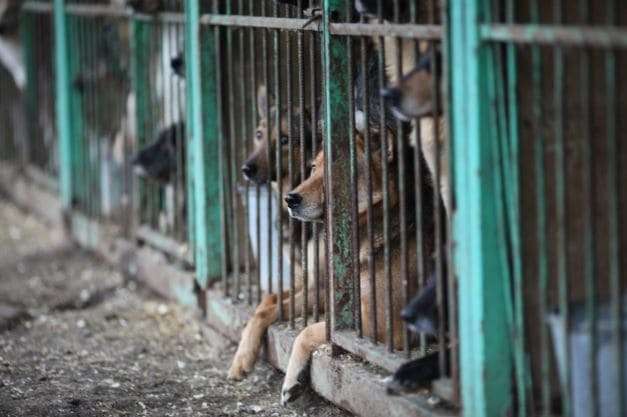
(391, 94)
(293, 200)
(249, 170)
(408, 314)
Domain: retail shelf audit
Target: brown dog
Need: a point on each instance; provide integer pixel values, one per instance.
(260, 169)
(412, 98)
(306, 202)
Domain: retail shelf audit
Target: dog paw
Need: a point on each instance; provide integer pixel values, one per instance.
(241, 366)
(291, 391)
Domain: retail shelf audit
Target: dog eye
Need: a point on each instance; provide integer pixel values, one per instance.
(284, 140)
(258, 135)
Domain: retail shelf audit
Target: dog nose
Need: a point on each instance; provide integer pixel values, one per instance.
(293, 200)
(407, 315)
(392, 94)
(249, 170)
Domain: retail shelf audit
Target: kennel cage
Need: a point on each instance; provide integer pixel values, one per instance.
(272, 46)
(546, 80)
(536, 99)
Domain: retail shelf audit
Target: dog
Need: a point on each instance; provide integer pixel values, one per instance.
(412, 99)
(159, 160)
(178, 65)
(422, 316)
(258, 168)
(307, 203)
(432, 128)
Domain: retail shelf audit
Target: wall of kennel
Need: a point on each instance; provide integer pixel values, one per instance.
(515, 223)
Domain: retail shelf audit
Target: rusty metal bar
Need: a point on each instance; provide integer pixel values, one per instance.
(606, 37)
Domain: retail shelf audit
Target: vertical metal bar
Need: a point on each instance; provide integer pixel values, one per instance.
(234, 151)
(314, 147)
(30, 54)
(84, 133)
(254, 111)
(402, 191)
(337, 154)
(303, 163)
(76, 126)
(369, 210)
(291, 168)
(354, 203)
(541, 213)
(203, 135)
(140, 38)
(278, 155)
(266, 56)
(614, 250)
(588, 212)
(64, 123)
(560, 203)
(484, 349)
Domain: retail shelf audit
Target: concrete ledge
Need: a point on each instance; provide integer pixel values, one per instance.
(34, 199)
(346, 381)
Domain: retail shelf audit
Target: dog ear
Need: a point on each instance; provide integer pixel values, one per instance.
(262, 102)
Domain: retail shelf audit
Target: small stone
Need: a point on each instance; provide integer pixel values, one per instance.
(163, 309)
(180, 364)
(204, 405)
(80, 323)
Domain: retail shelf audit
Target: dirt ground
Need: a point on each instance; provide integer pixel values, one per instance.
(85, 342)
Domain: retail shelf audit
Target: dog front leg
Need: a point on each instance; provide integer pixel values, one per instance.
(250, 342)
(307, 341)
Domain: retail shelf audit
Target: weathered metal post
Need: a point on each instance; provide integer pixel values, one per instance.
(485, 345)
(64, 123)
(337, 164)
(203, 153)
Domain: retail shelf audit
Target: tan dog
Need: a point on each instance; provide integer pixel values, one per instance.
(307, 203)
(258, 168)
(412, 98)
(432, 130)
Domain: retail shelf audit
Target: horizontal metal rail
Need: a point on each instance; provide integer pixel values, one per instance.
(37, 7)
(433, 32)
(426, 32)
(104, 10)
(578, 36)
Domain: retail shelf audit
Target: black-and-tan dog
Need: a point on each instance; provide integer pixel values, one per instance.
(307, 203)
(400, 58)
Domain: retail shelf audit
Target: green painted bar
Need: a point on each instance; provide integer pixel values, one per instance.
(64, 125)
(76, 141)
(485, 351)
(140, 87)
(203, 155)
(336, 145)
